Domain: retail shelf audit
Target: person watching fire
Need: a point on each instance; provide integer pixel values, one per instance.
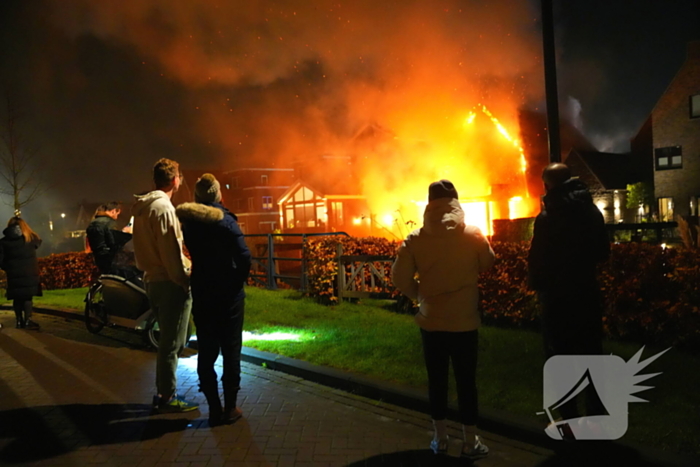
(220, 266)
(158, 251)
(447, 256)
(569, 240)
(104, 240)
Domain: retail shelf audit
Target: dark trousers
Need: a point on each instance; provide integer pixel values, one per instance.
(219, 332)
(22, 305)
(461, 347)
(572, 324)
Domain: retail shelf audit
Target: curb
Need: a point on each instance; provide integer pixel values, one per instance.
(500, 422)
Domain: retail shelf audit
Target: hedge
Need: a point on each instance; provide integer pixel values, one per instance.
(651, 294)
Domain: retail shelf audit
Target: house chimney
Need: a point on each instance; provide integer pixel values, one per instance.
(693, 50)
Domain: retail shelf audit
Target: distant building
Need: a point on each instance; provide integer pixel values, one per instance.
(607, 175)
(670, 139)
(252, 194)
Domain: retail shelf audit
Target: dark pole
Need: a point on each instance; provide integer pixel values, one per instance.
(550, 82)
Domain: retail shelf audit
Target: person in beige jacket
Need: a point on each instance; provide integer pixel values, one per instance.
(438, 265)
(157, 241)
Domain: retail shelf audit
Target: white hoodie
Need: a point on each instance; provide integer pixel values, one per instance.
(158, 240)
(448, 257)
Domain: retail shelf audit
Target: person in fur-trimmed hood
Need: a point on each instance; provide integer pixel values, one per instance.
(448, 256)
(220, 266)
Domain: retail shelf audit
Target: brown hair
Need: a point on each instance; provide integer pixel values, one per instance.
(27, 232)
(164, 173)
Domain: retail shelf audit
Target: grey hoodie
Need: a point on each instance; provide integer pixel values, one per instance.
(448, 257)
(158, 240)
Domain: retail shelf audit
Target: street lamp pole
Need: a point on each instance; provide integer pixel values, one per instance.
(550, 81)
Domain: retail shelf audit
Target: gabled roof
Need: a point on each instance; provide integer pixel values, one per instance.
(611, 171)
(339, 192)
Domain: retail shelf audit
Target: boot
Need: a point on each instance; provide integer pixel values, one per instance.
(20, 319)
(215, 410)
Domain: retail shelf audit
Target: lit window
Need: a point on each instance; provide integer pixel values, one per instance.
(666, 209)
(695, 106)
(267, 202)
(668, 158)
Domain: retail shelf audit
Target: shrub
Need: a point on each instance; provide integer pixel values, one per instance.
(651, 294)
(322, 268)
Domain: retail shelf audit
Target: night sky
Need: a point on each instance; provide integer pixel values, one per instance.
(105, 88)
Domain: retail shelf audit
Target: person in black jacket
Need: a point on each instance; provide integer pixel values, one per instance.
(220, 266)
(18, 260)
(568, 243)
(105, 241)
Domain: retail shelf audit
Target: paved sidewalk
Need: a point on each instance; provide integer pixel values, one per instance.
(65, 401)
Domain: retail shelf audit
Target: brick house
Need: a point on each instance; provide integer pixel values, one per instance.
(252, 194)
(671, 139)
(607, 175)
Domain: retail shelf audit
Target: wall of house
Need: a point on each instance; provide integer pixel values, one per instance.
(252, 194)
(673, 126)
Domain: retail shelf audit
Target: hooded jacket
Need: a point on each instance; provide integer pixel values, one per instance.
(569, 240)
(18, 260)
(448, 256)
(157, 240)
(220, 257)
(105, 241)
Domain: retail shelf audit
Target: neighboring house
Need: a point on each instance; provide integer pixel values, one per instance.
(252, 194)
(306, 209)
(607, 175)
(671, 139)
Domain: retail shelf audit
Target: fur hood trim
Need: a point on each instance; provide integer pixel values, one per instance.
(197, 212)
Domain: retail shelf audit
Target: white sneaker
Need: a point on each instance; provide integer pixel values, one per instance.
(478, 451)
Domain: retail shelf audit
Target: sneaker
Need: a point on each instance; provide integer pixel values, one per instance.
(231, 416)
(478, 451)
(439, 446)
(32, 325)
(176, 404)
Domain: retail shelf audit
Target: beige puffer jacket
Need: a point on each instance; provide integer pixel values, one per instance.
(448, 256)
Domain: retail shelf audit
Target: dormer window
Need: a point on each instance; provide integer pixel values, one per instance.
(695, 106)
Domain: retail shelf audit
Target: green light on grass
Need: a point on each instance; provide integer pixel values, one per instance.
(272, 336)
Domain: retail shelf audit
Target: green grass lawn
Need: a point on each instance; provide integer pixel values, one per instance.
(367, 339)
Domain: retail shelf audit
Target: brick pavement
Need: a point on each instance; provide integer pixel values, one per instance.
(70, 398)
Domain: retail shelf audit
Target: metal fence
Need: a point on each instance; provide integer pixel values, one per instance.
(277, 258)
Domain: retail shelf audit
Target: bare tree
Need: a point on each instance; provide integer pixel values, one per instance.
(19, 167)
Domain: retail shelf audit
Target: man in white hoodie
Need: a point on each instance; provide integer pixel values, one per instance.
(447, 255)
(158, 250)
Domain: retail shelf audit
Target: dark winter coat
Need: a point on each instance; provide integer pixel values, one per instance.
(569, 240)
(105, 242)
(220, 258)
(18, 260)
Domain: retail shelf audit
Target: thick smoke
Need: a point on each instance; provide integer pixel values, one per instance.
(271, 83)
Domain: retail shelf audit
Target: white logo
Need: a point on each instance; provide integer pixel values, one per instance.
(608, 384)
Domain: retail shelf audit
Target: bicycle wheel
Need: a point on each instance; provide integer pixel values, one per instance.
(95, 312)
(152, 332)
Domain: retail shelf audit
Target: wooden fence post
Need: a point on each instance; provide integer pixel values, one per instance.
(341, 270)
